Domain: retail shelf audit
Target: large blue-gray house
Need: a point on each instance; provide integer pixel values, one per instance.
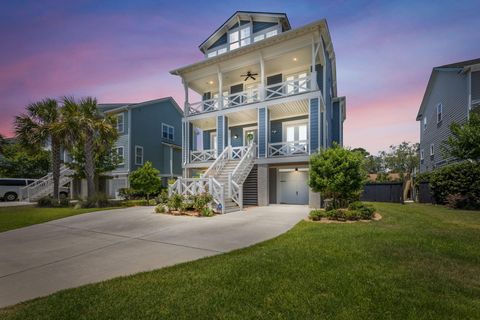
(265, 99)
(149, 131)
(452, 93)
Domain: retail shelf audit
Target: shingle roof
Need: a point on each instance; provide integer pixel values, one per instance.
(461, 64)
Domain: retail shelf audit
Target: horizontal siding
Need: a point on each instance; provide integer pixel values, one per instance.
(123, 142)
(450, 89)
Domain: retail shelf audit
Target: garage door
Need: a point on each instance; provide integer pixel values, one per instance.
(293, 187)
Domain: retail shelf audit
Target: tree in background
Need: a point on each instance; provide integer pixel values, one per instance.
(145, 179)
(18, 162)
(86, 129)
(3, 142)
(37, 128)
(337, 173)
(464, 141)
(402, 159)
(373, 164)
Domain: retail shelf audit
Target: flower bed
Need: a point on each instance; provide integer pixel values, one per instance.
(356, 211)
(196, 206)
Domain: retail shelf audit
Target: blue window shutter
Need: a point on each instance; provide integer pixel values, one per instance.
(220, 135)
(262, 132)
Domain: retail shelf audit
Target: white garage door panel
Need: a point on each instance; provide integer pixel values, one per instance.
(293, 187)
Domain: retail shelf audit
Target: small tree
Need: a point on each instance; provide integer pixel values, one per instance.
(464, 142)
(145, 179)
(338, 173)
(20, 162)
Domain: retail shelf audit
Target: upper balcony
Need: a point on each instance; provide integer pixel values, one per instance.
(293, 85)
(295, 62)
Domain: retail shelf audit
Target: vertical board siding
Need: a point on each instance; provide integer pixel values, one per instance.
(314, 120)
(450, 89)
(262, 132)
(336, 122)
(475, 85)
(220, 133)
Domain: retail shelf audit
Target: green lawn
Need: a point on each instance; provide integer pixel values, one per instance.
(22, 216)
(418, 262)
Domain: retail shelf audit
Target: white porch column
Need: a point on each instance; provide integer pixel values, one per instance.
(220, 88)
(186, 104)
(313, 81)
(261, 88)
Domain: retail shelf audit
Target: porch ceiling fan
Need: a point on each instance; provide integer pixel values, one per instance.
(249, 75)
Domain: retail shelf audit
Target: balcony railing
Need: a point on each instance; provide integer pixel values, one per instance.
(252, 95)
(291, 148)
(203, 155)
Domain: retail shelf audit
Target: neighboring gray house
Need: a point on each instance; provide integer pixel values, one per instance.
(264, 99)
(149, 131)
(453, 91)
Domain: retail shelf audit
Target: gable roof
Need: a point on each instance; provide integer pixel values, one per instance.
(124, 107)
(244, 15)
(456, 66)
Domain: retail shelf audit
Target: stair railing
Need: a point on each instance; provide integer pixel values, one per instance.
(44, 185)
(239, 174)
(219, 163)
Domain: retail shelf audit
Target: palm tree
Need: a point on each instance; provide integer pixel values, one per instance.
(84, 124)
(36, 128)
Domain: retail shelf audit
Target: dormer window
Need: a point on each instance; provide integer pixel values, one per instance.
(239, 38)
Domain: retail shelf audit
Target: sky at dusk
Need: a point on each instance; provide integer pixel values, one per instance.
(122, 51)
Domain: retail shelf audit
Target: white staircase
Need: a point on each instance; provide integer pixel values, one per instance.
(223, 179)
(44, 186)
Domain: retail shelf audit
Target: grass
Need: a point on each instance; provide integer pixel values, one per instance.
(418, 262)
(23, 216)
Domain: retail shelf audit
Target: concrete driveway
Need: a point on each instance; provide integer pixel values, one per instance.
(44, 258)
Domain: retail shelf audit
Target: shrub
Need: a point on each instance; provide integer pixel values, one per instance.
(460, 179)
(160, 208)
(50, 202)
(364, 210)
(457, 201)
(162, 198)
(353, 215)
(338, 173)
(146, 180)
(175, 201)
(336, 214)
(206, 212)
(317, 215)
(202, 201)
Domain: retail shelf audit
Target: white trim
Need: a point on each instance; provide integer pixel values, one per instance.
(137, 147)
(129, 115)
(164, 125)
(439, 113)
(292, 123)
(122, 122)
(123, 154)
(245, 129)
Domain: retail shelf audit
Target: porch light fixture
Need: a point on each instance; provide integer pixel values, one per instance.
(296, 169)
(295, 59)
(210, 82)
(235, 136)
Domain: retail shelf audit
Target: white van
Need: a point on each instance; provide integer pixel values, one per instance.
(10, 188)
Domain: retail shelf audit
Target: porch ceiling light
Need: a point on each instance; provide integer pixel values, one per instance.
(210, 82)
(295, 59)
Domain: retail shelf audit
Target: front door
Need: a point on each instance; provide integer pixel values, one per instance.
(249, 135)
(293, 187)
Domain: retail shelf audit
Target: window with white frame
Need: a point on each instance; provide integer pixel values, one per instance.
(425, 123)
(432, 149)
(139, 155)
(421, 155)
(439, 112)
(120, 151)
(212, 54)
(168, 132)
(120, 123)
(239, 38)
